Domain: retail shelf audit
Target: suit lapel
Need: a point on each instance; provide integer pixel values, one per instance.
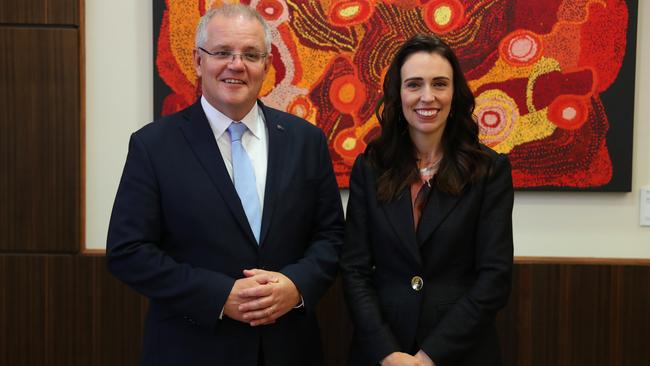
(200, 137)
(277, 146)
(400, 214)
(437, 209)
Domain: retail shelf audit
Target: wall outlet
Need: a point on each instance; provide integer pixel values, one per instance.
(644, 218)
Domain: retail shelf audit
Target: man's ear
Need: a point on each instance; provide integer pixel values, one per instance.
(196, 55)
(267, 62)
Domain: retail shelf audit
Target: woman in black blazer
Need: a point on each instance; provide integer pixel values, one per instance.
(428, 249)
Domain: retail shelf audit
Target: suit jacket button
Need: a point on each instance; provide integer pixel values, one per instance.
(417, 283)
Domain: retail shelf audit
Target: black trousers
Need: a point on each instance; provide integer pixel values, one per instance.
(260, 357)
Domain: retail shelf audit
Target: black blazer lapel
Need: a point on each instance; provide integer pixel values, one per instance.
(277, 145)
(400, 214)
(200, 137)
(436, 210)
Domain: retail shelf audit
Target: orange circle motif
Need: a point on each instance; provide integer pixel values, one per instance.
(444, 16)
(348, 144)
(269, 9)
(300, 107)
(568, 111)
(346, 13)
(347, 94)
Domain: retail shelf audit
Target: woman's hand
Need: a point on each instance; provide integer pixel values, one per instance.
(401, 359)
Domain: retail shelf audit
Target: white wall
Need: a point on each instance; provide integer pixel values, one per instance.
(119, 100)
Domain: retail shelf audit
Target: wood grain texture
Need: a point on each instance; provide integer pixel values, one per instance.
(64, 12)
(26, 11)
(67, 310)
(336, 325)
(567, 314)
(583, 261)
(44, 12)
(40, 140)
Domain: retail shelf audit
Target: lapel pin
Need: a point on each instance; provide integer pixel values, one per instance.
(279, 127)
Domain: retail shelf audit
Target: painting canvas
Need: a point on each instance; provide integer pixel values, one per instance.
(553, 79)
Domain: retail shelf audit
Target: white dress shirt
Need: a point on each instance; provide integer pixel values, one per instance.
(254, 140)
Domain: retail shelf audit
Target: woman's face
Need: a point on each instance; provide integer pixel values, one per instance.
(426, 90)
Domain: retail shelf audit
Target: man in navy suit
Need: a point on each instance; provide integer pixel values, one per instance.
(233, 267)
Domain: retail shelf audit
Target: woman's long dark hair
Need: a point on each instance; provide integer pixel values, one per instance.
(393, 153)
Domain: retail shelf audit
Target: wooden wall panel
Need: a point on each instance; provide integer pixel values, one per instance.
(64, 12)
(23, 312)
(51, 12)
(633, 344)
(572, 314)
(336, 326)
(26, 11)
(40, 143)
(67, 310)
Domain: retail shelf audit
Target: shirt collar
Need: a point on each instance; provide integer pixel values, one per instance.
(219, 122)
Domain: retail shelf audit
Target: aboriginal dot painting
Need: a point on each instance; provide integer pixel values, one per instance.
(553, 79)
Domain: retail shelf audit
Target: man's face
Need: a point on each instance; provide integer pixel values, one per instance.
(232, 85)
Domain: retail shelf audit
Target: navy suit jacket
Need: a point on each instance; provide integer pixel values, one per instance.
(178, 235)
(462, 251)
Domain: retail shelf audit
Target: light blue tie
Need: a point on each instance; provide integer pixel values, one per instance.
(244, 179)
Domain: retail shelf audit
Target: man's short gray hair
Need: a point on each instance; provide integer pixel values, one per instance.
(230, 11)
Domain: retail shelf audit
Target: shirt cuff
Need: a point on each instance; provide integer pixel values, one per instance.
(302, 304)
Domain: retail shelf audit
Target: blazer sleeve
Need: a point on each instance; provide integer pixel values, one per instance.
(465, 322)
(133, 252)
(314, 273)
(373, 332)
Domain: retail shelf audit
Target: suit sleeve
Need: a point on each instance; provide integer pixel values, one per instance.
(466, 321)
(373, 332)
(135, 257)
(314, 273)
